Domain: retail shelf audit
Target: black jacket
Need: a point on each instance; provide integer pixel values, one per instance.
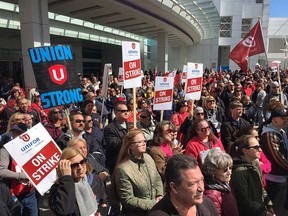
(165, 208)
(113, 135)
(8, 204)
(62, 199)
(229, 130)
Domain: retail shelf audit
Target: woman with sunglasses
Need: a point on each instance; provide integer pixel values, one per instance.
(202, 140)
(71, 194)
(161, 149)
(217, 170)
(181, 113)
(136, 183)
(250, 194)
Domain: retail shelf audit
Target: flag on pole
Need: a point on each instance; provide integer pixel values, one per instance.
(250, 45)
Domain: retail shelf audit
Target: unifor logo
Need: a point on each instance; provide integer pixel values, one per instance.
(164, 79)
(249, 42)
(25, 137)
(196, 66)
(133, 45)
(58, 74)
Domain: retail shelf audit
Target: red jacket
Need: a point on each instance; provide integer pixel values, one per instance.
(195, 146)
(224, 201)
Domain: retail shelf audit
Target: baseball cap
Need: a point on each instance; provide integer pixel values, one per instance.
(279, 112)
(21, 127)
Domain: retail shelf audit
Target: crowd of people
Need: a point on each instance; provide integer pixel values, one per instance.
(225, 154)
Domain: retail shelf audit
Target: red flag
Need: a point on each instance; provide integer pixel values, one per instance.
(250, 45)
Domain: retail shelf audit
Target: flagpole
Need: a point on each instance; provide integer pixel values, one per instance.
(266, 56)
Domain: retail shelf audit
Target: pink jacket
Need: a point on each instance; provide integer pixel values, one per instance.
(195, 146)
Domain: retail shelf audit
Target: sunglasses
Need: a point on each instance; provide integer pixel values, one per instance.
(122, 111)
(257, 147)
(198, 114)
(211, 101)
(79, 121)
(141, 116)
(168, 130)
(227, 168)
(275, 87)
(89, 121)
(57, 112)
(76, 165)
(204, 129)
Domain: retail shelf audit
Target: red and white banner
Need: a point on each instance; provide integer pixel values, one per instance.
(131, 64)
(163, 94)
(37, 154)
(194, 81)
(250, 45)
(120, 76)
(184, 74)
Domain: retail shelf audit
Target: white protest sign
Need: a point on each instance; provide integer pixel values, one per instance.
(194, 81)
(120, 76)
(184, 74)
(131, 64)
(37, 154)
(163, 94)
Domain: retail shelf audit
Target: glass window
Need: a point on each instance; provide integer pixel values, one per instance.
(225, 26)
(246, 26)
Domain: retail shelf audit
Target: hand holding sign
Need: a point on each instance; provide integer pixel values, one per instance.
(64, 167)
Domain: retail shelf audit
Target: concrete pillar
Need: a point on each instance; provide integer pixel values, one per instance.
(34, 33)
(183, 56)
(162, 52)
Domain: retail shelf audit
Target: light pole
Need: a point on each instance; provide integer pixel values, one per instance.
(285, 51)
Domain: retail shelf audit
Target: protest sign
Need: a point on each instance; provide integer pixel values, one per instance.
(163, 94)
(131, 64)
(194, 81)
(37, 154)
(184, 74)
(120, 76)
(57, 80)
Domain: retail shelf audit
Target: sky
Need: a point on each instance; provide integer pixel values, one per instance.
(278, 8)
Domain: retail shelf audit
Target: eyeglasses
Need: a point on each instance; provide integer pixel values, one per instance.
(211, 101)
(257, 147)
(169, 130)
(204, 129)
(76, 165)
(141, 116)
(89, 121)
(57, 112)
(227, 168)
(122, 111)
(198, 114)
(138, 143)
(79, 121)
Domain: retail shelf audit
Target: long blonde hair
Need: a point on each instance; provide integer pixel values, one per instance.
(12, 121)
(124, 155)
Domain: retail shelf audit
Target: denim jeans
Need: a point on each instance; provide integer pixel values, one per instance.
(29, 204)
